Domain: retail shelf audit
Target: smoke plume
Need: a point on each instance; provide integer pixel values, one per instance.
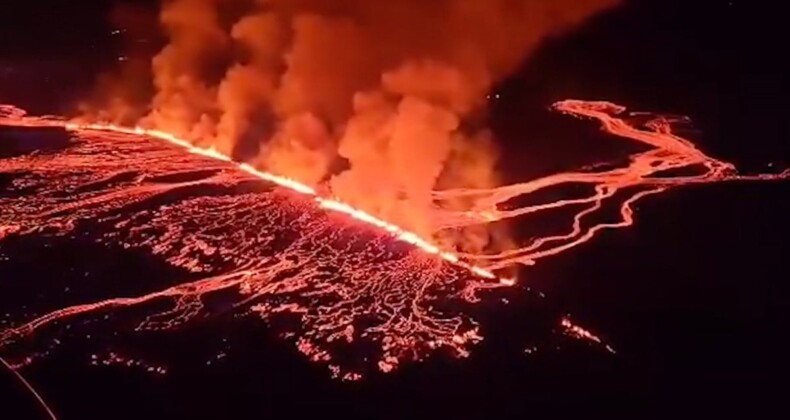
(372, 99)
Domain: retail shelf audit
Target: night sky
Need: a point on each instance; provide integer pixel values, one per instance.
(711, 60)
(719, 62)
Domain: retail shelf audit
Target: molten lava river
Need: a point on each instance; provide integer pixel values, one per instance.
(349, 290)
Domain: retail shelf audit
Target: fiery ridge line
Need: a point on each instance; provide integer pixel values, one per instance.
(327, 203)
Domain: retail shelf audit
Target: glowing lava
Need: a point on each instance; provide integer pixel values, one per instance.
(281, 253)
(327, 203)
(647, 173)
(349, 291)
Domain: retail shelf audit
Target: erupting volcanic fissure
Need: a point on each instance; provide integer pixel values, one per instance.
(388, 220)
(282, 252)
(379, 103)
(285, 251)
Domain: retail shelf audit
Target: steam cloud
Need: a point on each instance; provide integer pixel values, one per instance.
(374, 99)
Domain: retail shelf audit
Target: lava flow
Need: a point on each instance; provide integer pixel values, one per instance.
(286, 252)
(647, 173)
(353, 288)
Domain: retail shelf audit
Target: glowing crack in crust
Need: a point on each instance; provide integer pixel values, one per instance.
(281, 253)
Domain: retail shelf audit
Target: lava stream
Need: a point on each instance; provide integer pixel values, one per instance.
(642, 177)
(352, 293)
(286, 253)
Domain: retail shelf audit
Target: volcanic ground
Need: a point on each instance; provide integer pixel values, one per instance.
(345, 293)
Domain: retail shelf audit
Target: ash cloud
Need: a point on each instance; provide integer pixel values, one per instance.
(366, 97)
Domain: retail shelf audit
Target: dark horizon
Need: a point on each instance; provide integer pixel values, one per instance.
(713, 62)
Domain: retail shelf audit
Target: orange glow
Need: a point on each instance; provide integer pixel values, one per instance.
(576, 331)
(395, 286)
(327, 203)
(399, 292)
(639, 179)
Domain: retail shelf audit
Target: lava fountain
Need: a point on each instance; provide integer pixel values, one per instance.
(354, 283)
